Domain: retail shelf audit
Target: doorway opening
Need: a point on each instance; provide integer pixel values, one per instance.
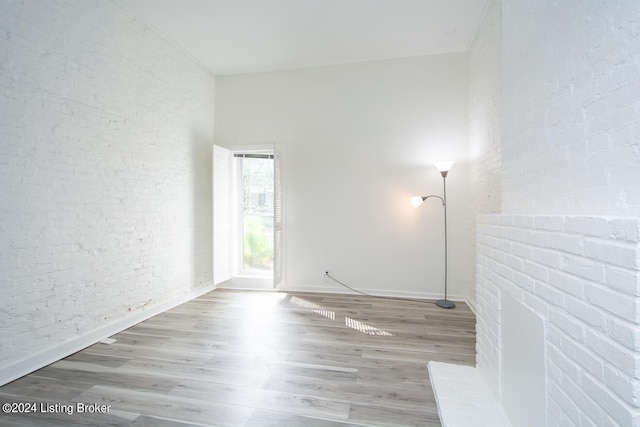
(248, 240)
(254, 213)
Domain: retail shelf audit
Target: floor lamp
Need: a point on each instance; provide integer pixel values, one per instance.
(443, 167)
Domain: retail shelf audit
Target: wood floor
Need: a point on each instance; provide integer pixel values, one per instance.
(237, 358)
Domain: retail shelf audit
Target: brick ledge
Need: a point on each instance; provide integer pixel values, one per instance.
(463, 399)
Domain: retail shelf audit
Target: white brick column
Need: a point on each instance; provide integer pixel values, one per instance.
(581, 275)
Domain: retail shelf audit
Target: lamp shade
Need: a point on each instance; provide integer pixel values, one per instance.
(444, 165)
(416, 201)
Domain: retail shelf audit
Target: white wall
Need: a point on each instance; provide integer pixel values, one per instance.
(567, 243)
(105, 147)
(358, 142)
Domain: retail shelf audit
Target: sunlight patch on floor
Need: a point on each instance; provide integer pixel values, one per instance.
(365, 328)
(323, 311)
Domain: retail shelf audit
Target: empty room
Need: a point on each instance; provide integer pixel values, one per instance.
(320, 213)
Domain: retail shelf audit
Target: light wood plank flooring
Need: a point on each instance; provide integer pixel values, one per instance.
(238, 358)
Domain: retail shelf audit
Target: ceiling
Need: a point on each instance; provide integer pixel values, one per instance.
(248, 36)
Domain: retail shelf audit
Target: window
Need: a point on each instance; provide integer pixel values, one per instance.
(255, 213)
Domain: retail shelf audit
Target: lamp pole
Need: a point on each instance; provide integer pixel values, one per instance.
(445, 303)
(443, 167)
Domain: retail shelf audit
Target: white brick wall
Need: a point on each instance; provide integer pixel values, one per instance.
(105, 136)
(571, 97)
(587, 291)
(568, 161)
(484, 126)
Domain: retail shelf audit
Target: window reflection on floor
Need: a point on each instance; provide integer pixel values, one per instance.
(365, 328)
(314, 307)
(357, 325)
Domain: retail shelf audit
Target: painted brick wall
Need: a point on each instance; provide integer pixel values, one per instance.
(484, 113)
(581, 275)
(569, 161)
(571, 107)
(484, 126)
(105, 190)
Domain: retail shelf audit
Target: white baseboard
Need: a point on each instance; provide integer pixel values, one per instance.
(46, 357)
(373, 292)
(244, 284)
(472, 307)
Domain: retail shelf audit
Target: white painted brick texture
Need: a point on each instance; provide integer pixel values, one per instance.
(588, 295)
(570, 102)
(105, 136)
(569, 161)
(484, 125)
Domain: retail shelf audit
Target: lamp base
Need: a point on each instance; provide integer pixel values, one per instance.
(445, 303)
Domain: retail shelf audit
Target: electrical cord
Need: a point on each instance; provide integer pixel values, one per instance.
(373, 296)
(347, 286)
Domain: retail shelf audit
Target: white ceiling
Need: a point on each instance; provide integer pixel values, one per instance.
(246, 36)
